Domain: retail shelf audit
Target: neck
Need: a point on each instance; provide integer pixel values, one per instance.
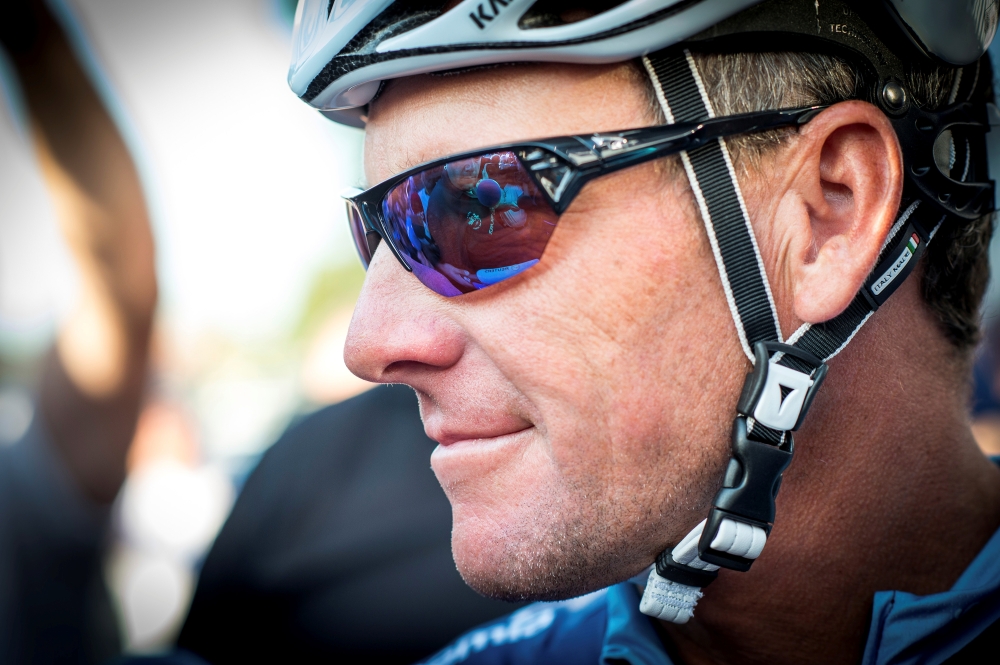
(887, 491)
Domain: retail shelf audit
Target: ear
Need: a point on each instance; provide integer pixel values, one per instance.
(838, 208)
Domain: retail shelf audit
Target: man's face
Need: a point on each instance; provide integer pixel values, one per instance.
(463, 174)
(582, 407)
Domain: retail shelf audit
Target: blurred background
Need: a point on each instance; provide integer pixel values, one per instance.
(255, 269)
(256, 272)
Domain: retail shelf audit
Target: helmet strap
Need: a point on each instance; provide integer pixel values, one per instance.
(786, 374)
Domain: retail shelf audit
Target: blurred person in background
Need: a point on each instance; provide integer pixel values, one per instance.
(58, 481)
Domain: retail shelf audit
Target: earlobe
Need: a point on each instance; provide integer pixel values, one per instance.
(840, 207)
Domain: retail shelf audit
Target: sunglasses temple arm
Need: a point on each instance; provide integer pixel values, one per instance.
(619, 151)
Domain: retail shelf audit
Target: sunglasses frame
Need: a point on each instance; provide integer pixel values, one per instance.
(562, 165)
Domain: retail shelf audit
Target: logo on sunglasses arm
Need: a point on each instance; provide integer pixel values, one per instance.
(482, 15)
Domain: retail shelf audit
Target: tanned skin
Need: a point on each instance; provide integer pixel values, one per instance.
(583, 407)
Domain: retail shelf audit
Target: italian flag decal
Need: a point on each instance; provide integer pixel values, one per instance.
(912, 244)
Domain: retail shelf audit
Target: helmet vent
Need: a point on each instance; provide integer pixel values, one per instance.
(398, 18)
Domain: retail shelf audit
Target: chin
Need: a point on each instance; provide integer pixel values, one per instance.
(538, 556)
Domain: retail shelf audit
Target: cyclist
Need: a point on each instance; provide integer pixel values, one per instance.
(615, 382)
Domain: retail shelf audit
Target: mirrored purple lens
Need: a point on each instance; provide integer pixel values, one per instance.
(470, 223)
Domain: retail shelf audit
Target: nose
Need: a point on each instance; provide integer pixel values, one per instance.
(400, 329)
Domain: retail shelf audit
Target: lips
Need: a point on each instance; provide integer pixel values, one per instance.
(454, 437)
(467, 459)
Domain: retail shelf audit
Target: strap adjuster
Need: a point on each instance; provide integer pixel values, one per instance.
(778, 396)
(669, 569)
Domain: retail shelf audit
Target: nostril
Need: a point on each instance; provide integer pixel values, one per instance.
(403, 367)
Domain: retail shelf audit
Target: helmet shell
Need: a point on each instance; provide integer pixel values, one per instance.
(344, 49)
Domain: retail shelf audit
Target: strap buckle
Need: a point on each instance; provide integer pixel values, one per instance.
(778, 396)
(752, 480)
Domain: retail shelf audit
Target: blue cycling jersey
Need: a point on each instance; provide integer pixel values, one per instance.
(606, 626)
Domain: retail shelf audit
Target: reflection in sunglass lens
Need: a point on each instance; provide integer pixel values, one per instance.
(470, 223)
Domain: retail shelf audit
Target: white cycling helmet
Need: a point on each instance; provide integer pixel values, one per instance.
(345, 49)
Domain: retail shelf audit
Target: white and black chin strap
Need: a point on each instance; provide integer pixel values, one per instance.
(786, 374)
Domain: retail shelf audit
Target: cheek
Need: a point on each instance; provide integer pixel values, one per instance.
(621, 345)
(616, 339)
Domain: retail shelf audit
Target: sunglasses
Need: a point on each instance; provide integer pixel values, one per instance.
(475, 219)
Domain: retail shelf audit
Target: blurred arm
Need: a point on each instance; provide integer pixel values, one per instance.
(93, 384)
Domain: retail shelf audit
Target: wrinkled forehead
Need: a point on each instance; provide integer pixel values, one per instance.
(420, 118)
